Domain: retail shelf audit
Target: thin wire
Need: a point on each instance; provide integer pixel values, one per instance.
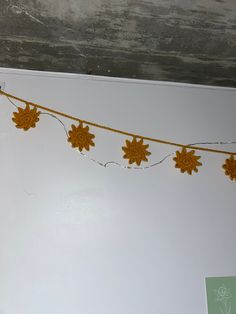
(59, 120)
(105, 165)
(115, 130)
(12, 102)
(212, 143)
(155, 163)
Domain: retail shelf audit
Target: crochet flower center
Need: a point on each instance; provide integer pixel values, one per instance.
(187, 161)
(82, 138)
(135, 151)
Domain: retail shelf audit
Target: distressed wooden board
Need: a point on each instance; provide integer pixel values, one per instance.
(173, 40)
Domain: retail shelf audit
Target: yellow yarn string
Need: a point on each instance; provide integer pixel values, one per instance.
(115, 130)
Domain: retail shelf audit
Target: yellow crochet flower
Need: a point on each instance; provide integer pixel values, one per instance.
(186, 161)
(80, 137)
(26, 118)
(230, 167)
(136, 151)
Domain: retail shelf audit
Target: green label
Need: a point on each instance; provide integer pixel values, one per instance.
(221, 295)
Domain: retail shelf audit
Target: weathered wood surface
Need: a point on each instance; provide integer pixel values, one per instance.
(174, 40)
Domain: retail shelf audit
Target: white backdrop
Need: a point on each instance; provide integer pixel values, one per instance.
(79, 238)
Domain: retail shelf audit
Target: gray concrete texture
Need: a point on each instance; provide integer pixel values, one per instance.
(170, 40)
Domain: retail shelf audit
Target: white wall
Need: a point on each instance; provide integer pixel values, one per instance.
(78, 238)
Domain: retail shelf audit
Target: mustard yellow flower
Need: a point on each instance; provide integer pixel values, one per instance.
(136, 151)
(186, 161)
(80, 137)
(230, 167)
(26, 118)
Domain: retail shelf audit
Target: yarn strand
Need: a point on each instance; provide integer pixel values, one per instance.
(107, 128)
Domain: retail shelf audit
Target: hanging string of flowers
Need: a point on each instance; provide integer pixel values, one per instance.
(135, 150)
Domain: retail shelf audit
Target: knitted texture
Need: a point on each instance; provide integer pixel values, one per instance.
(80, 137)
(230, 167)
(186, 161)
(26, 118)
(136, 151)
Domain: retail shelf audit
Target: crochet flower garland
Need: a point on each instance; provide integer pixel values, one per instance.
(135, 151)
